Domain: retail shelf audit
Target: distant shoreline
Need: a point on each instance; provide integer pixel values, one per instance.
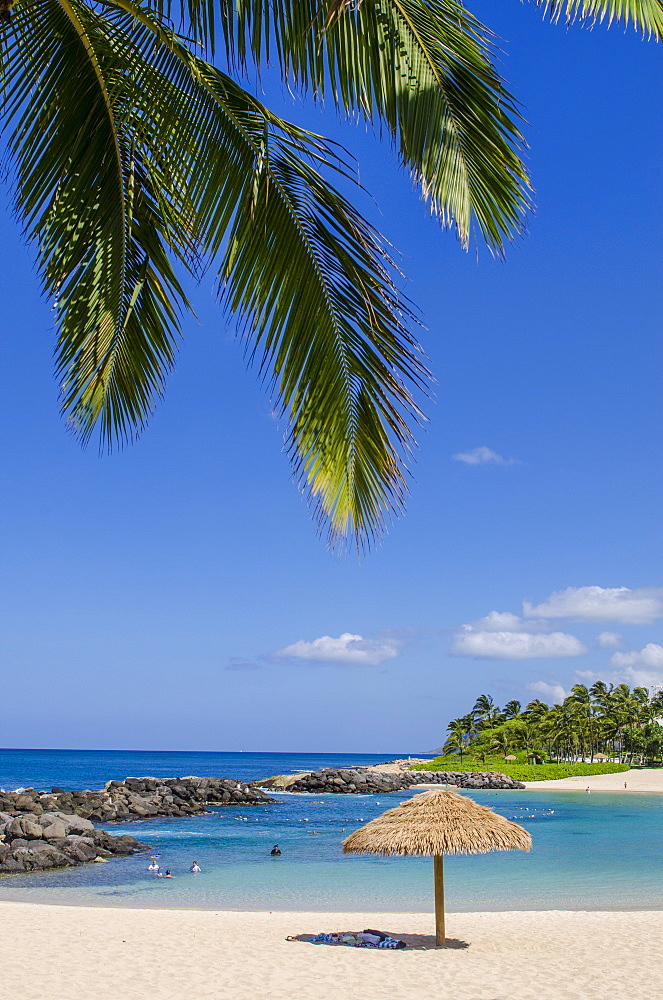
(640, 780)
(647, 780)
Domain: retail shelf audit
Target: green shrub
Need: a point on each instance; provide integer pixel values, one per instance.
(520, 771)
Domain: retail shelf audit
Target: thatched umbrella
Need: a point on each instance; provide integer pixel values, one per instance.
(601, 756)
(510, 756)
(438, 823)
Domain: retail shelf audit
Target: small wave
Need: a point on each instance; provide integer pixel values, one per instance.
(531, 814)
(161, 834)
(280, 791)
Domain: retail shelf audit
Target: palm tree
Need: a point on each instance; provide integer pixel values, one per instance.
(635, 706)
(652, 737)
(614, 720)
(657, 705)
(484, 708)
(536, 710)
(502, 741)
(512, 709)
(601, 692)
(458, 737)
(557, 727)
(135, 158)
(486, 713)
(527, 734)
(581, 700)
(621, 714)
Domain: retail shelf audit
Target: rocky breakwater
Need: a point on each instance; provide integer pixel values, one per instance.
(31, 842)
(366, 781)
(56, 829)
(141, 797)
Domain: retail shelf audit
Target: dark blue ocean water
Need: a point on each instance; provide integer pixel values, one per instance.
(74, 769)
(590, 852)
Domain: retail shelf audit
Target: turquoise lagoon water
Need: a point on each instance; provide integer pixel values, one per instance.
(598, 851)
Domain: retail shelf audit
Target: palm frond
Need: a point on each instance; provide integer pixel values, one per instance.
(646, 16)
(422, 68)
(310, 281)
(181, 161)
(90, 191)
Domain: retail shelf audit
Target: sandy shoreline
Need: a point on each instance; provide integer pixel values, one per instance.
(645, 780)
(639, 780)
(113, 954)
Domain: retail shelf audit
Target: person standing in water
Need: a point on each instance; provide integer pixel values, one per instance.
(275, 851)
(195, 868)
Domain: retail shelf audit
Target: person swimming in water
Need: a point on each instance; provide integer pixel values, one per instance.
(167, 875)
(195, 868)
(275, 851)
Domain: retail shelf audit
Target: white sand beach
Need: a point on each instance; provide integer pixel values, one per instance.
(644, 780)
(122, 954)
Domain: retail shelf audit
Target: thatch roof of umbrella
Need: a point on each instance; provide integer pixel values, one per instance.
(438, 823)
(601, 756)
(510, 756)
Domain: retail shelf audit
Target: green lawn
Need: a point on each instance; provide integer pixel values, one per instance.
(520, 770)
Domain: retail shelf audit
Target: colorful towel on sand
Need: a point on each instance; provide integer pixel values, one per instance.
(359, 939)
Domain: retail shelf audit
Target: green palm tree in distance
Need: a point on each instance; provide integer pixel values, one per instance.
(458, 736)
(484, 711)
(503, 742)
(137, 155)
(536, 710)
(605, 721)
(581, 700)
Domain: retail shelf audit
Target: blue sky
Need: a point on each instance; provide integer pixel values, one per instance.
(171, 596)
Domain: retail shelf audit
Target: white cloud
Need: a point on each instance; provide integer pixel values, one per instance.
(504, 621)
(601, 604)
(483, 456)
(549, 692)
(514, 645)
(347, 649)
(643, 667)
(650, 656)
(609, 640)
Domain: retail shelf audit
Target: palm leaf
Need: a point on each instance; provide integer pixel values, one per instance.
(90, 192)
(646, 16)
(131, 152)
(310, 282)
(194, 166)
(424, 69)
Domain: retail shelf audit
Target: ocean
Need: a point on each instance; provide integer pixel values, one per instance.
(590, 852)
(75, 769)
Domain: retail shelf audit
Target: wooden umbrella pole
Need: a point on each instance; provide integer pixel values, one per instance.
(438, 871)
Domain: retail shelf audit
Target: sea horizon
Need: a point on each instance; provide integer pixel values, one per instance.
(73, 769)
